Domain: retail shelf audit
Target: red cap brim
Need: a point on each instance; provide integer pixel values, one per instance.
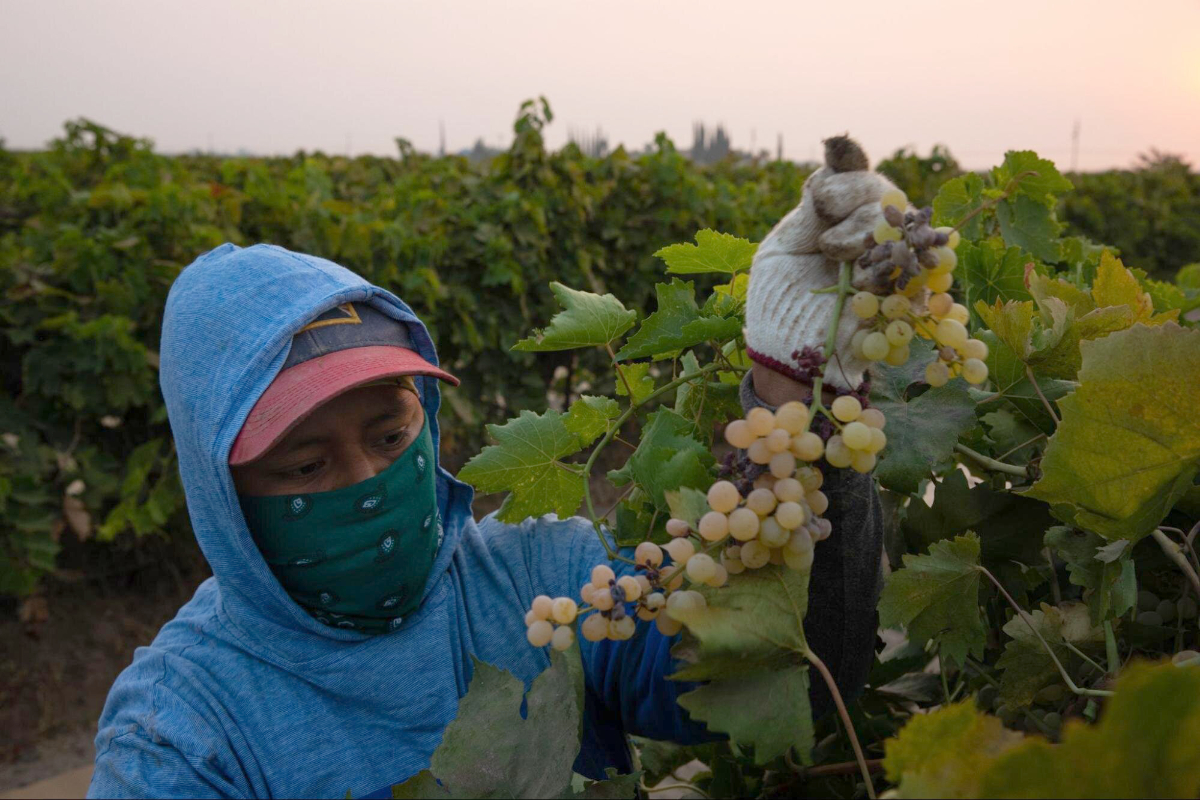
(297, 391)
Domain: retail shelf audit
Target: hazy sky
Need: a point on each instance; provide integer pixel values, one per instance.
(268, 76)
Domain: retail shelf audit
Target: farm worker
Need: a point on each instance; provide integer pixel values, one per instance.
(351, 585)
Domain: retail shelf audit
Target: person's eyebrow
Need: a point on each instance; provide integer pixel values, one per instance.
(300, 444)
(390, 414)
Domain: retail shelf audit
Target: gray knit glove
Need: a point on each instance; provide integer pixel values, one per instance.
(839, 208)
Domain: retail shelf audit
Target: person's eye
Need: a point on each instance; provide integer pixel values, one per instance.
(394, 439)
(302, 471)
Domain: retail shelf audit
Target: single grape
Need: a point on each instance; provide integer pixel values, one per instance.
(951, 235)
(958, 312)
(789, 490)
(807, 446)
(563, 638)
(897, 356)
(895, 306)
(564, 611)
(886, 233)
(1166, 610)
(586, 591)
(755, 554)
(937, 374)
(878, 441)
(648, 553)
(824, 528)
(975, 348)
(743, 524)
(856, 436)
(846, 408)
(862, 461)
(873, 418)
(837, 453)
(655, 600)
(1147, 600)
(947, 260)
(685, 604)
(629, 584)
(894, 197)
(542, 606)
(811, 478)
(771, 533)
(667, 626)
(602, 599)
(865, 305)
(951, 333)
(778, 440)
(800, 542)
(680, 550)
(798, 562)
(817, 501)
(540, 633)
(701, 567)
(530, 618)
(792, 417)
(594, 628)
(621, 629)
(940, 282)
(1150, 618)
(790, 515)
(723, 496)
(938, 305)
(760, 421)
(713, 526)
(677, 527)
(875, 346)
(974, 371)
(856, 342)
(782, 465)
(898, 333)
(761, 501)
(1052, 720)
(758, 452)
(738, 434)
(643, 582)
(733, 565)
(720, 577)
(1183, 657)
(644, 613)
(676, 580)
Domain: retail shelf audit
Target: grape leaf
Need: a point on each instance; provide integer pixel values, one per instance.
(944, 753)
(676, 324)
(687, 504)
(1008, 377)
(749, 646)
(1011, 435)
(525, 461)
(614, 787)
(667, 458)
(936, 596)
(713, 252)
(1057, 354)
(706, 403)
(1042, 186)
(1127, 447)
(1011, 322)
(639, 380)
(1111, 584)
(957, 198)
(1115, 285)
(992, 272)
(1042, 287)
(1030, 225)
(1026, 665)
(589, 416)
(587, 320)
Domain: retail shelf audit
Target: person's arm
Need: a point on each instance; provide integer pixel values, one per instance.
(133, 765)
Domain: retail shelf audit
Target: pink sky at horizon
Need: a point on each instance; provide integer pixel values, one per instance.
(273, 77)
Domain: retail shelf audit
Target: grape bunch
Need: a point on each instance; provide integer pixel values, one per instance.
(905, 256)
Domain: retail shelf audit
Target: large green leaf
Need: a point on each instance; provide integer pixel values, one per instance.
(587, 320)
(749, 646)
(956, 200)
(1025, 664)
(526, 461)
(676, 324)
(1128, 446)
(992, 272)
(668, 457)
(1010, 381)
(1111, 583)
(712, 252)
(1030, 225)
(589, 416)
(636, 379)
(1042, 185)
(936, 596)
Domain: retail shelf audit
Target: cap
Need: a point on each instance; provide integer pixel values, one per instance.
(348, 346)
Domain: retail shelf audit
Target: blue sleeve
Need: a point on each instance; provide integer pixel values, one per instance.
(132, 765)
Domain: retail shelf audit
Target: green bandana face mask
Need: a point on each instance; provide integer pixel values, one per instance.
(356, 557)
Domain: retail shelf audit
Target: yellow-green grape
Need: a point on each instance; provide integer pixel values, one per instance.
(878, 441)
(856, 436)
(602, 599)
(761, 501)
(755, 554)
(643, 582)
(685, 604)
(531, 618)
(565, 609)
(677, 528)
(894, 197)
(760, 421)
(898, 332)
(873, 418)
(846, 408)
(800, 542)
(897, 356)
(655, 601)
(895, 306)
(731, 561)
(738, 433)
(875, 346)
(676, 580)
(797, 562)
(789, 490)
(758, 452)
(951, 234)
(811, 479)
(958, 312)
(723, 496)
(939, 305)
(941, 282)
(621, 629)
(807, 446)
(585, 592)
(856, 342)
(974, 371)
(542, 606)
(594, 628)
(937, 374)
(837, 453)
(974, 348)
(886, 233)
(680, 550)
(540, 633)
(862, 461)
(778, 440)
(563, 638)
(719, 578)
(771, 533)
(743, 524)
(947, 260)
(864, 305)
(782, 465)
(713, 526)
(951, 333)
(790, 515)
(701, 567)
(631, 587)
(792, 417)
(649, 554)
(818, 502)
(667, 626)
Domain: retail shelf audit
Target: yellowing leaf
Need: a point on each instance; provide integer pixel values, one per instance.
(1116, 286)
(1026, 665)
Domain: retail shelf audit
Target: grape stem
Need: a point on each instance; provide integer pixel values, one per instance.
(993, 464)
(1038, 389)
(1008, 190)
(1174, 552)
(845, 715)
(621, 372)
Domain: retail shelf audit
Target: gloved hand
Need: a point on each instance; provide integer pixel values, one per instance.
(839, 209)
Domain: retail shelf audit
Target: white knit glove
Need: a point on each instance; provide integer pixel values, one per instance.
(839, 208)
